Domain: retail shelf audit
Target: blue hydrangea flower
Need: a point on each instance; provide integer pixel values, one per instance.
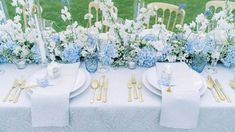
(108, 52)
(91, 40)
(150, 38)
(72, 53)
(9, 46)
(167, 49)
(56, 39)
(192, 43)
(147, 57)
(208, 13)
(2, 60)
(229, 60)
(35, 54)
(182, 6)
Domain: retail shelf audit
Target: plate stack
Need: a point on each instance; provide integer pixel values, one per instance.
(152, 75)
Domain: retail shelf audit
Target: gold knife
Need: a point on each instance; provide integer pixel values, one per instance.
(217, 89)
(222, 90)
(140, 91)
(105, 91)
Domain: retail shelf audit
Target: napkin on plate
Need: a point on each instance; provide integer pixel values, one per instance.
(181, 106)
(50, 106)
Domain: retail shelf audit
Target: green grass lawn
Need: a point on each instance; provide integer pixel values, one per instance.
(51, 9)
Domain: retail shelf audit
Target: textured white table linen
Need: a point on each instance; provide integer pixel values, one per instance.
(50, 106)
(117, 115)
(181, 107)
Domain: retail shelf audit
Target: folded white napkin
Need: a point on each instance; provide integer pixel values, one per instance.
(180, 107)
(50, 106)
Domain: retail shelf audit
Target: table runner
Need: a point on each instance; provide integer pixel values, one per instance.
(117, 115)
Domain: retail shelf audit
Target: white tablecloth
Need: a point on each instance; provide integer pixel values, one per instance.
(117, 115)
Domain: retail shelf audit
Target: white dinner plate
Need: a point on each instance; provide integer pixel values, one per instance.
(83, 88)
(152, 77)
(81, 84)
(156, 91)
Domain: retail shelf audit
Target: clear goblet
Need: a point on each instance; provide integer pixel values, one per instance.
(215, 58)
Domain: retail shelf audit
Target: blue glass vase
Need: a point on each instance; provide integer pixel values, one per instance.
(199, 62)
(91, 64)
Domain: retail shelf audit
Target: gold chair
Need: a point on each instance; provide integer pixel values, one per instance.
(172, 9)
(219, 4)
(96, 6)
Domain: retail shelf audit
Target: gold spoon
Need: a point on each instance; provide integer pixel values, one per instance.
(94, 86)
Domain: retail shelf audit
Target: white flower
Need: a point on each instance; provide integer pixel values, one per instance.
(192, 24)
(65, 15)
(18, 10)
(220, 37)
(17, 19)
(21, 2)
(24, 52)
(159, 20)
(52, 57)
(159, 45)
(17, 50)
(178, 26)
(98, 25)
(14, 3)
(88, 16)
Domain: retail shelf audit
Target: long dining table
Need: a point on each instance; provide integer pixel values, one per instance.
(117, 115)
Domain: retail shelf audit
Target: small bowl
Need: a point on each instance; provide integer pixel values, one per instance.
(21, 64)
(132, 65)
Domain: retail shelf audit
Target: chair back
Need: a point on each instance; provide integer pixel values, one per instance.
(171, 14)
(218, 5)
(96, 6)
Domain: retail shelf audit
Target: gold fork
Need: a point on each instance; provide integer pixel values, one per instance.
(129, 91)
(14, 86)
(210, 87)
(21, 88)
(134, 83)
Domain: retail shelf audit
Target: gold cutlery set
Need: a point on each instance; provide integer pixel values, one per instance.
(100, 89)
(217, 90)
(15, 91)
(134, 85)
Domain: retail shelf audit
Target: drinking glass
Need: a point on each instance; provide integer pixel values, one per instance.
(215, 58)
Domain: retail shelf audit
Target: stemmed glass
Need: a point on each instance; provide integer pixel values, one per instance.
(215, 58)
(103, 68)
(166, 78)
